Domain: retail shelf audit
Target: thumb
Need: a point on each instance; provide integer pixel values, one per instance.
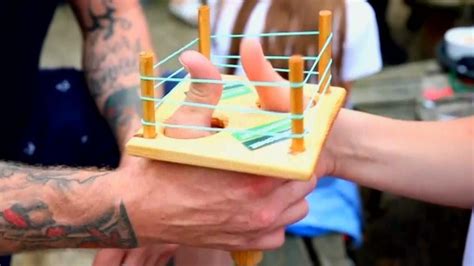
(199, 67)
(257, 68)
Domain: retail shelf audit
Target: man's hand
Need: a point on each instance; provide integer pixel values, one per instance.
(212, 208)
(203, 207)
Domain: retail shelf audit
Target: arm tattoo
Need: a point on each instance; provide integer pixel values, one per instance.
(33, 227)
(106, 21)
(30, 220)
(104, 68)
(111, 64)
(121, 107)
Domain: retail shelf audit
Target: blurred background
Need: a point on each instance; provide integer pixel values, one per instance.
(419, 82)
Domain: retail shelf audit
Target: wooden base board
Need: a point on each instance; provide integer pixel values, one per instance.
(223, 151)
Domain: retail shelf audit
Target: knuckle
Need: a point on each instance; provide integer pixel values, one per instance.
(264, 218)
(258, 188)
(254, 190)
(198, 92)
(237, 242)
(313, 182)
(304, 209)
(279, 240)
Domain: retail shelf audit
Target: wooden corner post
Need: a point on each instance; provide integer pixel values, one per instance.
(325, 29)
(296, 64)
(247, 258)
(205, 31)
(148, 90)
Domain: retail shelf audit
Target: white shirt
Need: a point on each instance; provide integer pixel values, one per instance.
(361, 49)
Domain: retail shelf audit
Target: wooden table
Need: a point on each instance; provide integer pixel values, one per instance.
(394, 91)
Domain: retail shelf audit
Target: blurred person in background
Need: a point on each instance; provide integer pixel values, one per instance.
(392, 53)
(185, 10)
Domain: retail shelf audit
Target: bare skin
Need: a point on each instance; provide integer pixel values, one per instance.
(415, 157)
(142, 202)
(428, 161)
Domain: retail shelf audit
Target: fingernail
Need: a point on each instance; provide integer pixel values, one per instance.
(182, 63)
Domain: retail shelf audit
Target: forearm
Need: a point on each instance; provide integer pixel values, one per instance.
(115, 33)
(59, 208)
(423, 160)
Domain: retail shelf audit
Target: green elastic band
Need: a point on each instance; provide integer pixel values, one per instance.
(170, 76)
(179, 51)
(315, 92)
(276, 69)
(251, 83)
(268, 57)
(222, 82)
(231, 108)
(232, 130)
(267, 34)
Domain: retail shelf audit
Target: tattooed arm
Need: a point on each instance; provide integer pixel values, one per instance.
(148, 202)
(114, 32)
(57, 208)
(52, 208)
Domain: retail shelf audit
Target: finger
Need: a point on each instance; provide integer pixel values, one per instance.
(291, 215)
(199, 67)
(160, 255)
(186, 256)
(154, 255)
(136, 256)
(257, 68)
(271, 240)
(112, 257)
(289, 194)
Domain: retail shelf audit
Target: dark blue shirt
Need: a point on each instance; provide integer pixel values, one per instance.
(24, 24)
(47, 116)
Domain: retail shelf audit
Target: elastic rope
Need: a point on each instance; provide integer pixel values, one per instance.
(170, 76)
(182, 49)
(268, 57)
(276, 69)
(323, 77)
(231, 108)
(232, 130)
(267, 34)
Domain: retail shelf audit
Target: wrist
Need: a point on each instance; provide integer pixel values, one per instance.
(345, 143)
(113, 222)
(359, 144)
(134, 186)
